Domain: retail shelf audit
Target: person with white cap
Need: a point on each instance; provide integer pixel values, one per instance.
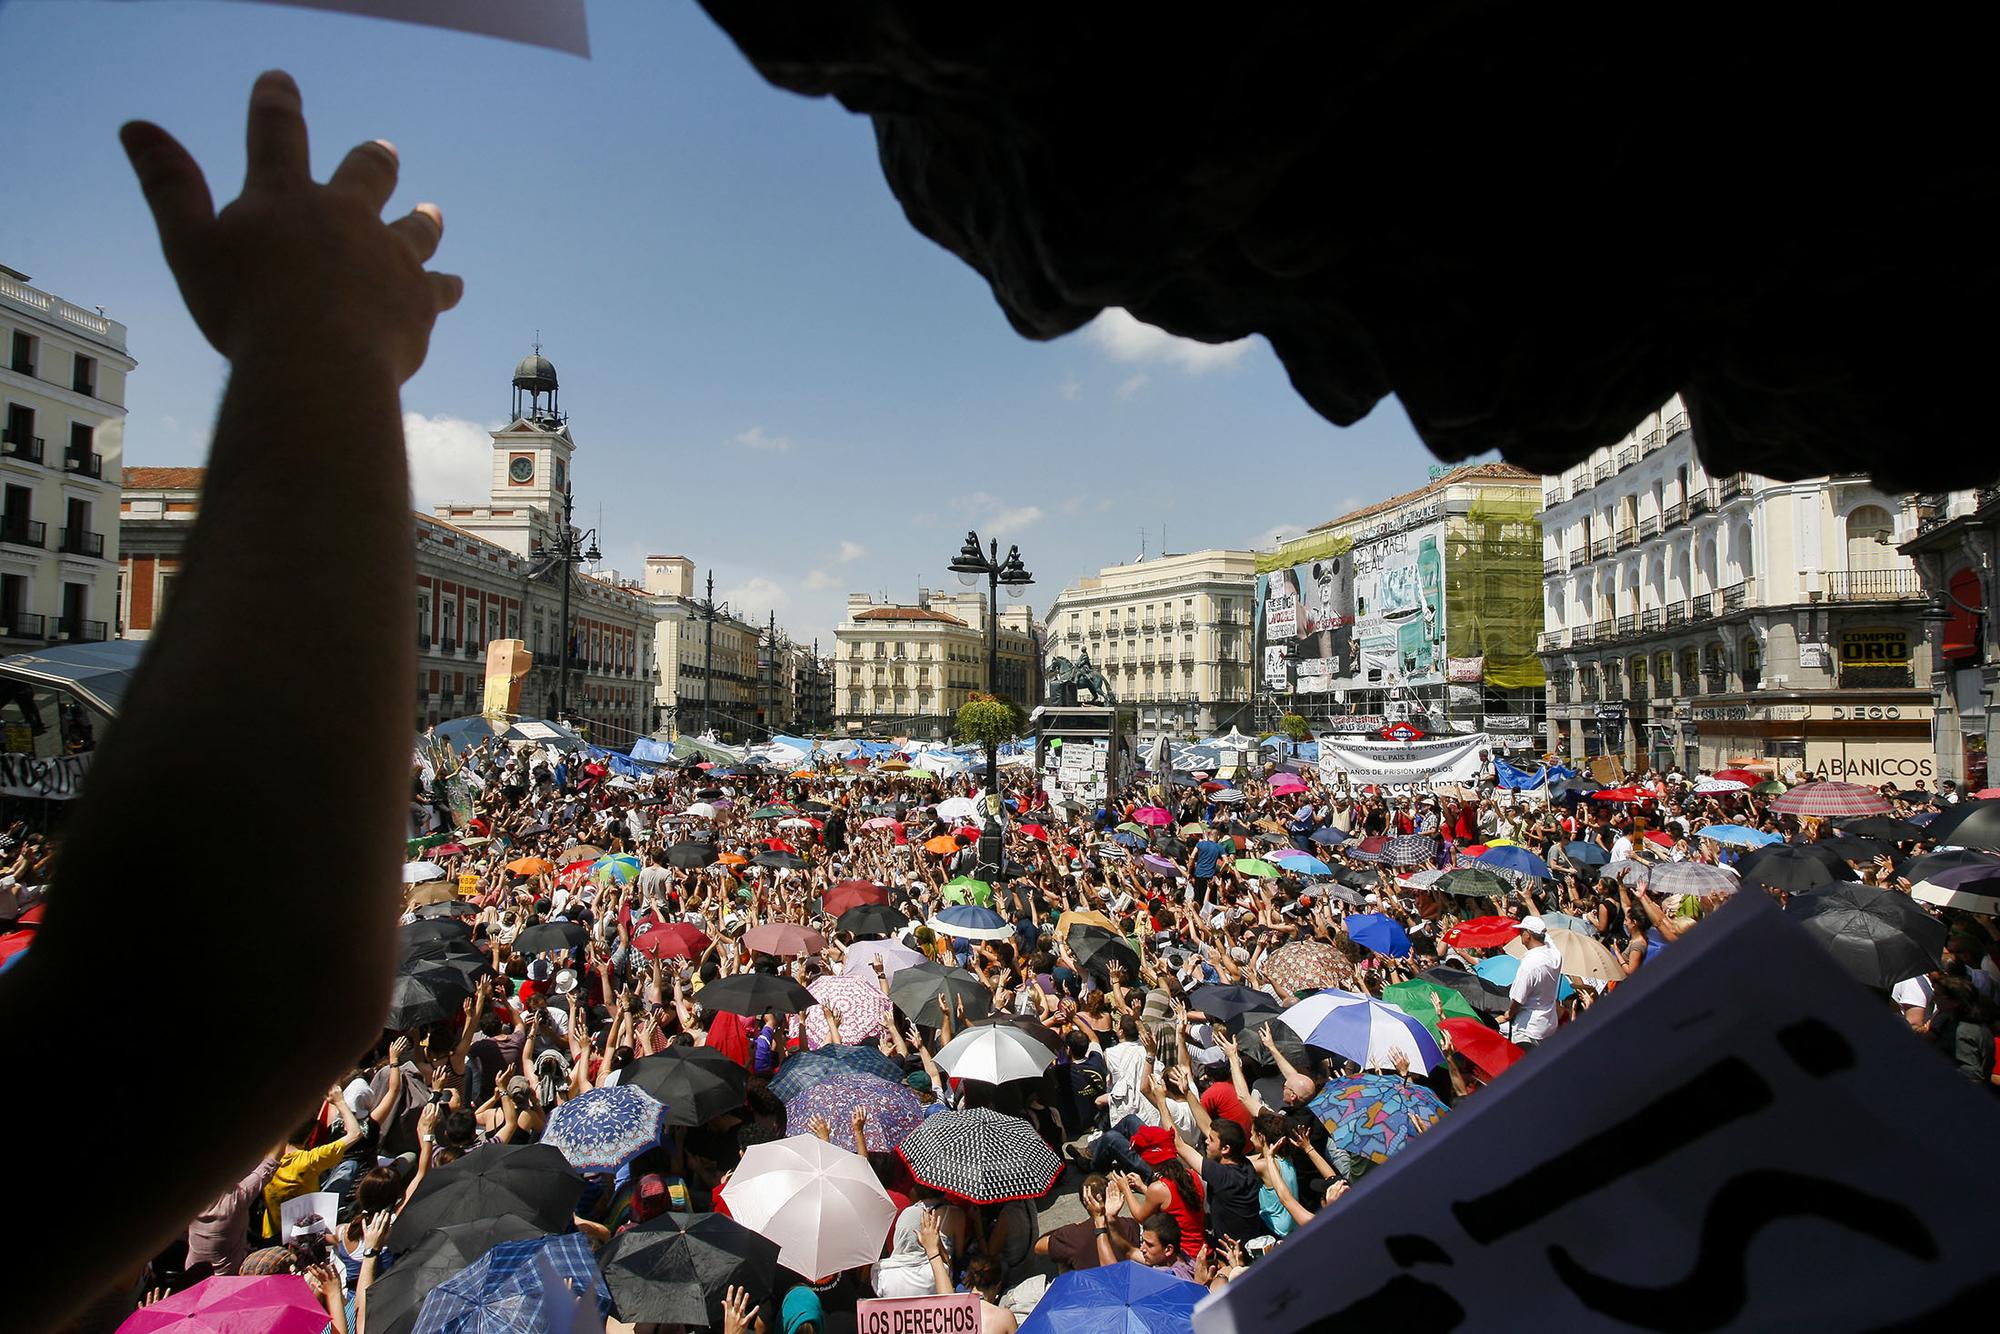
(1531, 1000)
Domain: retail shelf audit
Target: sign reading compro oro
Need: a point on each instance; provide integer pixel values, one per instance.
(956, 1314)
(1862, 648)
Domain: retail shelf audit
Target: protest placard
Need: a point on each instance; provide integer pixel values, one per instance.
(956, 1314)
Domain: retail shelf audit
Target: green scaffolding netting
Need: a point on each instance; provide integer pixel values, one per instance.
(1493, 586)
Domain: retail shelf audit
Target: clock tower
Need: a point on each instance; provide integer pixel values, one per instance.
(531, 455)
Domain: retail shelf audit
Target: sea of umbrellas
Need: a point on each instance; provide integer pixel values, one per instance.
(800, 998)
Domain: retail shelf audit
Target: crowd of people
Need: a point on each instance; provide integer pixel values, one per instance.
(1199, 970)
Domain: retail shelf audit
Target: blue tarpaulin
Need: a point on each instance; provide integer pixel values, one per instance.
(651, 751)
(1507, 776)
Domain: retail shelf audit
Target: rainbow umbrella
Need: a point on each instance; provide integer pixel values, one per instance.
(618, 869)
(1375, 1116)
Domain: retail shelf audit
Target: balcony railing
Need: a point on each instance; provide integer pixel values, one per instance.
(1677, 614)
(1553, 496)
(83, 461)
(1649, 620)
(21, 448)
(80, 631)
(1603, 472)
(1738, 595)
(1600, 548)
(1676, 424)
(448, 646)
(1718, 682)
(1700, 503)
(1627, 537)
(423, 641)
(1628, 623)
(1550, 640)
(1628, 457)
(1649, 527)
(24, 532)
(1674, 515)
(1651, 441)
(1589, 691)
(1552, 565)
(20, 625)
(1701, 606)
(1603, 628)
(1871, 585)
(1636, 693)
(1730, 488)
(80, 542)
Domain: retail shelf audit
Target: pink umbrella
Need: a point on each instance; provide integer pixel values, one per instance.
(264, 1304)
(857, 999)
(783, 938)
(1153, 815)
(1287, 780)
(894, 955)
(1279, 854)
(881, 822)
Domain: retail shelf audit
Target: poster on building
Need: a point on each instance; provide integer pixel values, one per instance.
(1346, 764)
(1369, 614)
(1277, 667)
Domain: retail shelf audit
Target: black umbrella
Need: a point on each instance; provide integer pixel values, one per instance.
(1880, 826)
(871, 919)
(696, 1083)
(755, 993)
(1250, 1043)
(676, 1269)
(779, 861)
(1480, 994)
(1358, 877)
(916, 989)
(1857, 849)
(435, 929)
(396, 1298)
(691, 856)
(1097, 949)
(1918, 869)
(815, 808)
(1879, 936)
(1791, 868)
(531, 1181)
(1969, 824)
(708, 793)
(424, 996)
(1222, 1001)
(546, 937)
(450, 908)
(458, 946)
(469, 967)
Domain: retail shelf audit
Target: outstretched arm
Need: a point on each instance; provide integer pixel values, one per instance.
(323, 311)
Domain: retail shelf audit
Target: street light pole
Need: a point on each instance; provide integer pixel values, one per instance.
(569, 549)
(971, 562)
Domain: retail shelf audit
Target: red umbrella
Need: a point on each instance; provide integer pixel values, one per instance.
(1373, 843)
(1627, 795)
(1488, 1051)
(856, 762)
(965, 831)
(786, 938)
(1036, 832)
(450, 850)
(1482, 933)
(1213, 786)
(1743, 776)
(1985, 792)
(779, 845)
(1661, 837)
(673, 940)
(706, 764)
(852, 894)
(1476, 850)
(1832, 799)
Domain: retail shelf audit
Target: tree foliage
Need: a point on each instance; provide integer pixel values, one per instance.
(1295, 728)
(986, 720)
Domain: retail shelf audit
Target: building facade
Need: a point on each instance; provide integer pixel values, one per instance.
(1956, 548)
(906, 669)
(1171, 636)
(707, 655)
(471, 589)
(1695, 620)
(1425, 606)
(62, 444)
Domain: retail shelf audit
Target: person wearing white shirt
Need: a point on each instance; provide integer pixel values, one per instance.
(1621, 847)
(1531, 1000)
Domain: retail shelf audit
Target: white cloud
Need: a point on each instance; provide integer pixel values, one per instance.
(1276, 533)
(993, 516)
(1132, 386)
(1071, 389)
(757, 438)
(819, 581)
(755, 596)
(851, 551)
(450, 458)
(1123, 338)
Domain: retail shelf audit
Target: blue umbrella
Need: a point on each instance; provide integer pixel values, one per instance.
(1500, 970)
(606, 1128)
(1127, 838)
(1564, 920)
(1586, 853)
(1328, 836)
(1516, 859)
(972, 922)
(1303, 866)
(1737, 836)
(501, 1292)
(1378, 933)
(1125, 1298)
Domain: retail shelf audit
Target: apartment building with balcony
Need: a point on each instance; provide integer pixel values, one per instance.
(62, 393)
(905, 669)
(1956, 546)
(1693, 619)
(1171, 635)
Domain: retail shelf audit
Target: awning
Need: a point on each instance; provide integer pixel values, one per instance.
(98, 674)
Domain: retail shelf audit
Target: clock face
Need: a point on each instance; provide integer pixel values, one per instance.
(522, 469)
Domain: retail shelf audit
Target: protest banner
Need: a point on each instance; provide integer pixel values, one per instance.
(956, 1314)
(58, 778)
(1785, 1154)
(1346, 763)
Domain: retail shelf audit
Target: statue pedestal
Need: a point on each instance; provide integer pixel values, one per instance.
(1083, 752)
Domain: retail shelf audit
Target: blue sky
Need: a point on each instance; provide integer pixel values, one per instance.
(765, 367)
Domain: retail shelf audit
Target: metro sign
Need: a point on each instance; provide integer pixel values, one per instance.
(1402, 732)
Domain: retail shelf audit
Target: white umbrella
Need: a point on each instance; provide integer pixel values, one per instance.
(415, 873)
(894, 956)
(1946, 897)
(1366, 1031)
(1228, 796)
(994, 1054)
(1719, 785)
(795, 822)
(958, 808)
(820, 1203)
(701, 810)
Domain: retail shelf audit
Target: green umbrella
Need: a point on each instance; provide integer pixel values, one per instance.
(964, 889)
(1261, 869)
(919, 773)
(1473, 882)
(1130, 827)
(1414, 999)
(1770, 787)
(772, 812)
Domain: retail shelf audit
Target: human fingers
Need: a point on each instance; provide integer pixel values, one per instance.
(446, 289)
(172, 182)
(276, 135)
(368, 172)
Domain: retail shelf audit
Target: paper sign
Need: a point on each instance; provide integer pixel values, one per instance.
(56, 779)
(303, 1215)
(556, 24)
(956, 1314)
(1739, 1138)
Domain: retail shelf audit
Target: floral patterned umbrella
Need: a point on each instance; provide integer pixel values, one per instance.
(605, 1128)
(1305, 965)
(1375, 1116)
(893, 1110)
(857, 998)
(800, 1072)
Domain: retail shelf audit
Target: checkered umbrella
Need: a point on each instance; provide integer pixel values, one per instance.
(801, 1072)
(606, 1128)
(1375, 1116)
(856, 998)
(502, 1292)
(893, 1110)
(982, 1156)
(1409, 850)
(1832, 799)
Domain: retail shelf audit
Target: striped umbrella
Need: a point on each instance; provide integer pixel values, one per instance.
(1364, 1030)
(1625, 871)
(856, 998)
(619, 869)
(981, 1156)
(1830, 799)
(1375, 1116)
(893, 1110)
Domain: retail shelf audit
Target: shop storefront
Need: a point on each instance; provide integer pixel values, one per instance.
(1861, 737)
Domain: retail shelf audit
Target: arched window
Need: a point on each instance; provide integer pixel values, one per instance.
(1663, 671)
(1708, 566)
(1745, 564)
(1871, 539)
(1752, 661)
(1690, 672)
